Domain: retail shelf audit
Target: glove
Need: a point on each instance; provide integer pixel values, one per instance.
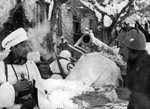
(44, 70)
(22, 85)
(123, 93)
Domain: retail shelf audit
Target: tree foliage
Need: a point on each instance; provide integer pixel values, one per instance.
(17, 19)
(119, 11)
(5, 7)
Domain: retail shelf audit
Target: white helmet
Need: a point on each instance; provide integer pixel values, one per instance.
(65, 54)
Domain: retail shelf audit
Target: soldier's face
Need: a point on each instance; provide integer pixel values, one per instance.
(22, 49)
(124, 52)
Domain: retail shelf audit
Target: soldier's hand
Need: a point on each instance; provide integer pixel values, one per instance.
(123, 93)
(22, 85)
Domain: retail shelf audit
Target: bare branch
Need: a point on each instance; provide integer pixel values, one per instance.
(124, 9)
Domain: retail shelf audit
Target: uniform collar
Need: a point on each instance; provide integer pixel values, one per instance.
(12, 59)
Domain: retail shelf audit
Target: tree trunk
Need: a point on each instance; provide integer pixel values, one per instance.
(55, 25)
(106, 35)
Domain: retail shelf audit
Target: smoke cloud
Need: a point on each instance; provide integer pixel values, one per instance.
(38, 36)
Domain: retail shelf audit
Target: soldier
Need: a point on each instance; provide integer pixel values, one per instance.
(17, 73)
(62, 65)
(132, 44)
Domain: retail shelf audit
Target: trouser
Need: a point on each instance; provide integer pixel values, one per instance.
(29, 103)
(139, 100)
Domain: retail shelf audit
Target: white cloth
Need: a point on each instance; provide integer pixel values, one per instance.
(43, 101)
(14, 38)
(65, 53)
(95, 69)
(55, 69)
(8, 97)
(18, 106)
(92, 68)
(59, 94)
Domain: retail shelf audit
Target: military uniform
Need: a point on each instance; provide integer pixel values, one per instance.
(138, 74)
(17, 73)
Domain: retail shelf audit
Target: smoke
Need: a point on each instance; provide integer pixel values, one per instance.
(38, 36)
